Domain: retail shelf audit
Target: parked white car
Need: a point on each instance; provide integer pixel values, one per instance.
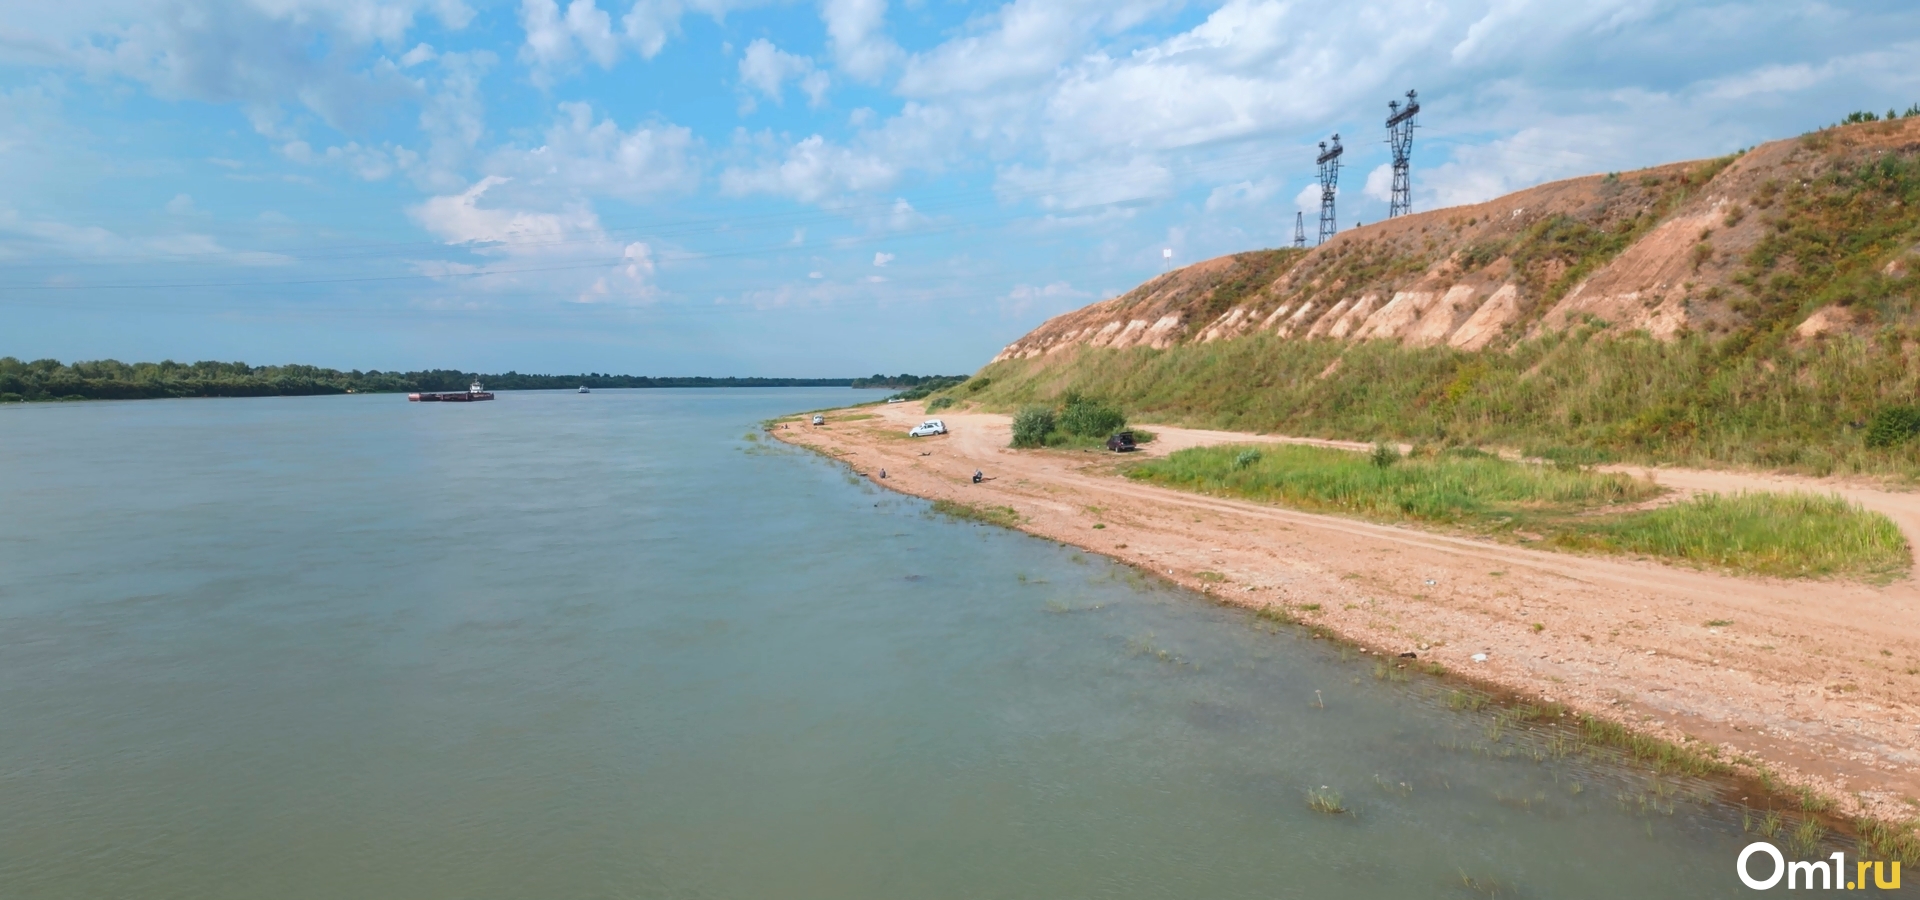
(927, 428)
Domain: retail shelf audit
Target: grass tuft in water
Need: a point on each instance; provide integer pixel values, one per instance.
(1326, 800)
(1003, 516)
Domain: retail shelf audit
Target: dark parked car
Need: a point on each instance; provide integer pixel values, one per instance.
(1121, 443)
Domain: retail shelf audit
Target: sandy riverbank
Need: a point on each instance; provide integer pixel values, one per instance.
(1820, 680)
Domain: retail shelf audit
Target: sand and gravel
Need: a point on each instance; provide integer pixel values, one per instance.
(1819, 680)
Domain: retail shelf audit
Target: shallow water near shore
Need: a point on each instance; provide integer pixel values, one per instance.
(604, 645)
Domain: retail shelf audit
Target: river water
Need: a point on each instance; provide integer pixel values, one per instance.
(606, 646)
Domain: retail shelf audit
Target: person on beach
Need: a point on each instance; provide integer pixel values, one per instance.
(883, 473)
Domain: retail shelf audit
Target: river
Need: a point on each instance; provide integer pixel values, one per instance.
(611, 646)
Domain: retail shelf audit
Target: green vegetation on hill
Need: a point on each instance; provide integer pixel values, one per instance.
(48, 379)
(1840, 211)
(1582, 394)
(1784, 535)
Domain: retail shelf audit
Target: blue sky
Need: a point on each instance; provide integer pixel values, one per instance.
(801, 188)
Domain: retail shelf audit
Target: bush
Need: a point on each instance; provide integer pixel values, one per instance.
(1090, 418)
(939, 403)
(1246, 458)
(1031, 425)
(1893, 425)
(1385, 455)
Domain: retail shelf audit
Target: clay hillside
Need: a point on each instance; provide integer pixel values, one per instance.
(1803, 236)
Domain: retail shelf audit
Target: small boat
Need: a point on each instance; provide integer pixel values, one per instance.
(583, 390)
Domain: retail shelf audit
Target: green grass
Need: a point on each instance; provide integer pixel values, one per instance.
(1788, 535)
(1445, 488)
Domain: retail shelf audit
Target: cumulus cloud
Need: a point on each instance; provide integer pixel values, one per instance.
(856, 32)
(1308, 200)
(1380, 183)
(314, 54)
(812, 170)
(880, 260)
(557, 38)
(582, 157)
(570, 238)
(1242, 194)
(766, 68)
(554, 37)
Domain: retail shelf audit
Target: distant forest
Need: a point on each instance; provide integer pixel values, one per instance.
(48, 379)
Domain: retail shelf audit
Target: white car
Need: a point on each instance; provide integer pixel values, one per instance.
(929, 427)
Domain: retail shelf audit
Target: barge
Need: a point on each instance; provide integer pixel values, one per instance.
(473, 392)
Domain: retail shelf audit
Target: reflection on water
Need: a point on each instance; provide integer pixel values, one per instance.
(606, 646)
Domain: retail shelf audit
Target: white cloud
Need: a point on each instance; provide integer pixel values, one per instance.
(856, 32)
(555, 38)
(261, 54)
(765, 68)
(812, 170)
(1380, 183)
(419, 54)
(582, 157)
(880, 260)
(570, 236)
(182, 205)
(365, 162)
(1308, 200)
(1243, 193)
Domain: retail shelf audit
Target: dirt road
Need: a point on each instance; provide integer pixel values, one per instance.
(1818, 679)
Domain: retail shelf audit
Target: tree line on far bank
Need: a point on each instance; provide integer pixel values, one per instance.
(49, 379)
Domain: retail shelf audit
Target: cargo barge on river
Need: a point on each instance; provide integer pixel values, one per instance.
(474, 392)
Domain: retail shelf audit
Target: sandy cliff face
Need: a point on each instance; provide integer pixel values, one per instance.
(1661, 250)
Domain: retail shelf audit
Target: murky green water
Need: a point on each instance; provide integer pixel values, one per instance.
(562, 646)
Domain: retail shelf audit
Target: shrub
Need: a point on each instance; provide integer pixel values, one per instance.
(1031, 425)
(1385, 455)
(1090, 418)
(939, 403)
(1246, 458)
(1893, 425)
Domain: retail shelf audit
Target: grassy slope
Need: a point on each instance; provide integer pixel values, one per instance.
(1629, 398)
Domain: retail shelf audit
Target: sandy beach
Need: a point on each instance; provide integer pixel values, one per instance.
(1818, 680)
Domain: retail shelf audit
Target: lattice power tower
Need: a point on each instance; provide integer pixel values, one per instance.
(1400, 136)
(1329, 161)
(1299, 229)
